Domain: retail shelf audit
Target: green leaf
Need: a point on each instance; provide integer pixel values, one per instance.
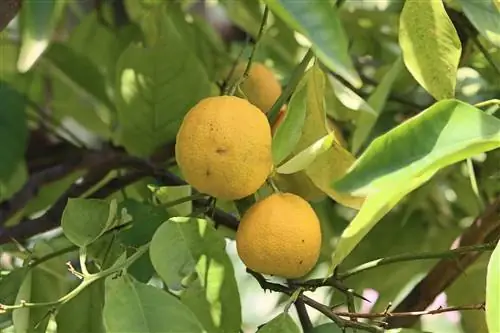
(304, 158)
(10, 51)
(145, 221)
(13, 130)
(106, 45)
(319, 21)
(46, 282)
(485, 17)
(430, 45)
(38, 21)
(245, 14)
(88, 304)
(282, 323)
(166, 194)
(288, 132)
(447, 132)
(78, 72)
(366, 121)
(85, 220)
(49, 193)
(348, 97)
(493, 291)
(131, 306)
(330, 328)
(156, 86)
(9, 287)
(336, 161)
(15, 182)
(183, 246)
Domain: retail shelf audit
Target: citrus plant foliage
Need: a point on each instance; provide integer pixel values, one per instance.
(250, 166)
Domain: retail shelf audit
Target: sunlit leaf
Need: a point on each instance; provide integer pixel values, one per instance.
(348, 97)
(333, 163)
(447, 132)
(318, 20)
(38, 22)
(152, 95)
(131, 306)
(182, 247)
(281, 323)
(288, 131)
(493, 291)
(304, 158)
(430, 45)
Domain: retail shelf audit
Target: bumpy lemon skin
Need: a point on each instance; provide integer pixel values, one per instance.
(223, 147)
(261, 87)
(280, 235)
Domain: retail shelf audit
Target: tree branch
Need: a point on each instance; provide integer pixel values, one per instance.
(416, 256)
(439, 310)
(485, 229)
(342, 323)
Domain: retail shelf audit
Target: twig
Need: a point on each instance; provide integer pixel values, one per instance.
(305, 321)
(327, 311)
(480, 306)
(87, 280)
(415, 256)
(489, 102)
(252, 53)
(485, 229)
(227, 79)
(332, 281)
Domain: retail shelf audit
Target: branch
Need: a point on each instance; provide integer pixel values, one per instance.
(332, 281)
(305, 321)
(415, 256)
(342, 323)
(140, 169)
(480, 306)
(486, 228)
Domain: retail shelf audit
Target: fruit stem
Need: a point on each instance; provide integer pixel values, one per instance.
(252, 53)
(271, 183)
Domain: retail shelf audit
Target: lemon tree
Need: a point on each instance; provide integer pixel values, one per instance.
(249, 166)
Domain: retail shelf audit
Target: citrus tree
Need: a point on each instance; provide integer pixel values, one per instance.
(250, 166)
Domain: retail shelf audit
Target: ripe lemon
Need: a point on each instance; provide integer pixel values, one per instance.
(280, 235)
(223, 147)
(261, 87)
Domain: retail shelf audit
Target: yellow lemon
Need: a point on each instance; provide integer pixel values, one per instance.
(280, 235)
(223, 147)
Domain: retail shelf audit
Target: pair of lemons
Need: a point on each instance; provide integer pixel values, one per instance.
(223, 149)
